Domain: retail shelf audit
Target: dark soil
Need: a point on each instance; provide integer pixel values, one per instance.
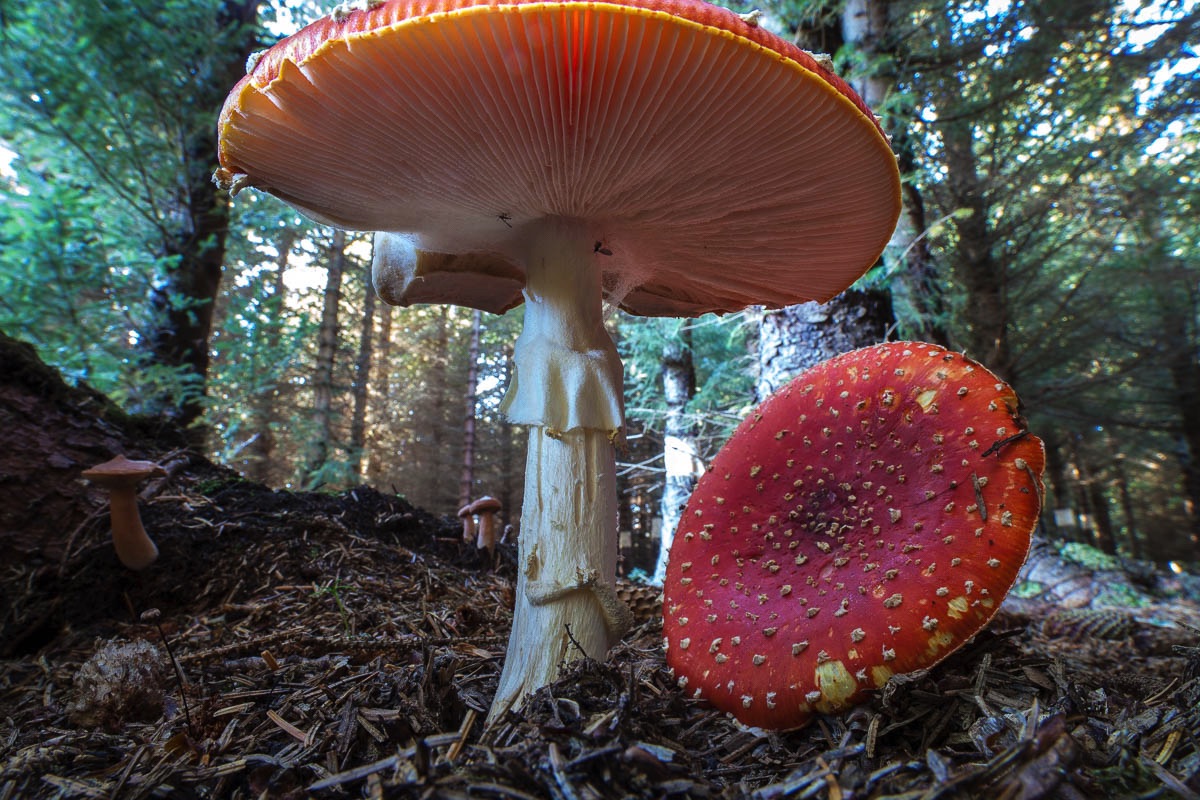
(295, 645)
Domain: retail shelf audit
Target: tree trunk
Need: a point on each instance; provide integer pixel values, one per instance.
(798, 337)
(1060, 485)
(1102, 536)
(986, 308)
(1132, 539)
(467, 480)
(680, 453)
(182, 298)
(920, 286)
(1181, 348)
(379, 458)
(264, 405)
(865, 26)
(508, 480)
(321, 443)
(362, 378)
(1177, 302)
(439, 471)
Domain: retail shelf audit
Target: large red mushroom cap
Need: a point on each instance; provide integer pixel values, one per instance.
(711, 164)
(865, 521)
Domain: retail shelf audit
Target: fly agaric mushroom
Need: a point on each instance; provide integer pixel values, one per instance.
(865, 520)
(665, 156)
(120, 477)
(486, 508)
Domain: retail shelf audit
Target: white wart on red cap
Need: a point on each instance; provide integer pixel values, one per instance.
(865, 521)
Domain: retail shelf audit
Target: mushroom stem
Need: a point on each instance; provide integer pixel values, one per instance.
(134, 547)
(566, 386)
(566, 371)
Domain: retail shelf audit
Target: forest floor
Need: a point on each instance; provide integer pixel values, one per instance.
(348, 645)
(290, 645)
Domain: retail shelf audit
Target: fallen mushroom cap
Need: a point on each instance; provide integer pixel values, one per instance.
(865, 521)
(712, 164)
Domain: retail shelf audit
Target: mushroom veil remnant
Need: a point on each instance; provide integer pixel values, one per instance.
(866, 520)
(664, 156)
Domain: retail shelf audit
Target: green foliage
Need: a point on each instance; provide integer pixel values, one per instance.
(720, 357)
(1028, 590)
(1076, 188)
(334, 589)
(103, 104)
(1087, 556)
(1121, 595)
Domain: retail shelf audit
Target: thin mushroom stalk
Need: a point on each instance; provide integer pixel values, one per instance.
(120, 477)
(134, 546)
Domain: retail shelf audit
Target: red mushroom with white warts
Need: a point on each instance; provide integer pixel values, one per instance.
(665, 156)
(864, 521)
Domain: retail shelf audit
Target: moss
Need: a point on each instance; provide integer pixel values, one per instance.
(1087, 556)
(1121, 595)
(1029, 589)
(213, 486)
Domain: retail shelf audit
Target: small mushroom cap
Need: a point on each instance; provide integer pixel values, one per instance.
(121, 471)
(485, 504)
(864, 521)
(465, 511)
(714, 164)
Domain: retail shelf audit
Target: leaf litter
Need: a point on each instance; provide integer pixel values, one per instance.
(292, 645)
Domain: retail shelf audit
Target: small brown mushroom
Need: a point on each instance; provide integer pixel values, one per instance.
(468, 520)
(486, 509)
(121, 477)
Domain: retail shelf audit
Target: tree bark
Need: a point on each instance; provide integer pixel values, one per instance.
(440, 467)
(680, 453)
(1061, 488)
(866, 26)
(260, 451)
(378, 458)
(182, 299)
(798, 337)
(321, 443)
(1177, 303)
(362, 378)
(920, 286)
(984, 281)
(1184, 368)
(467, 479)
